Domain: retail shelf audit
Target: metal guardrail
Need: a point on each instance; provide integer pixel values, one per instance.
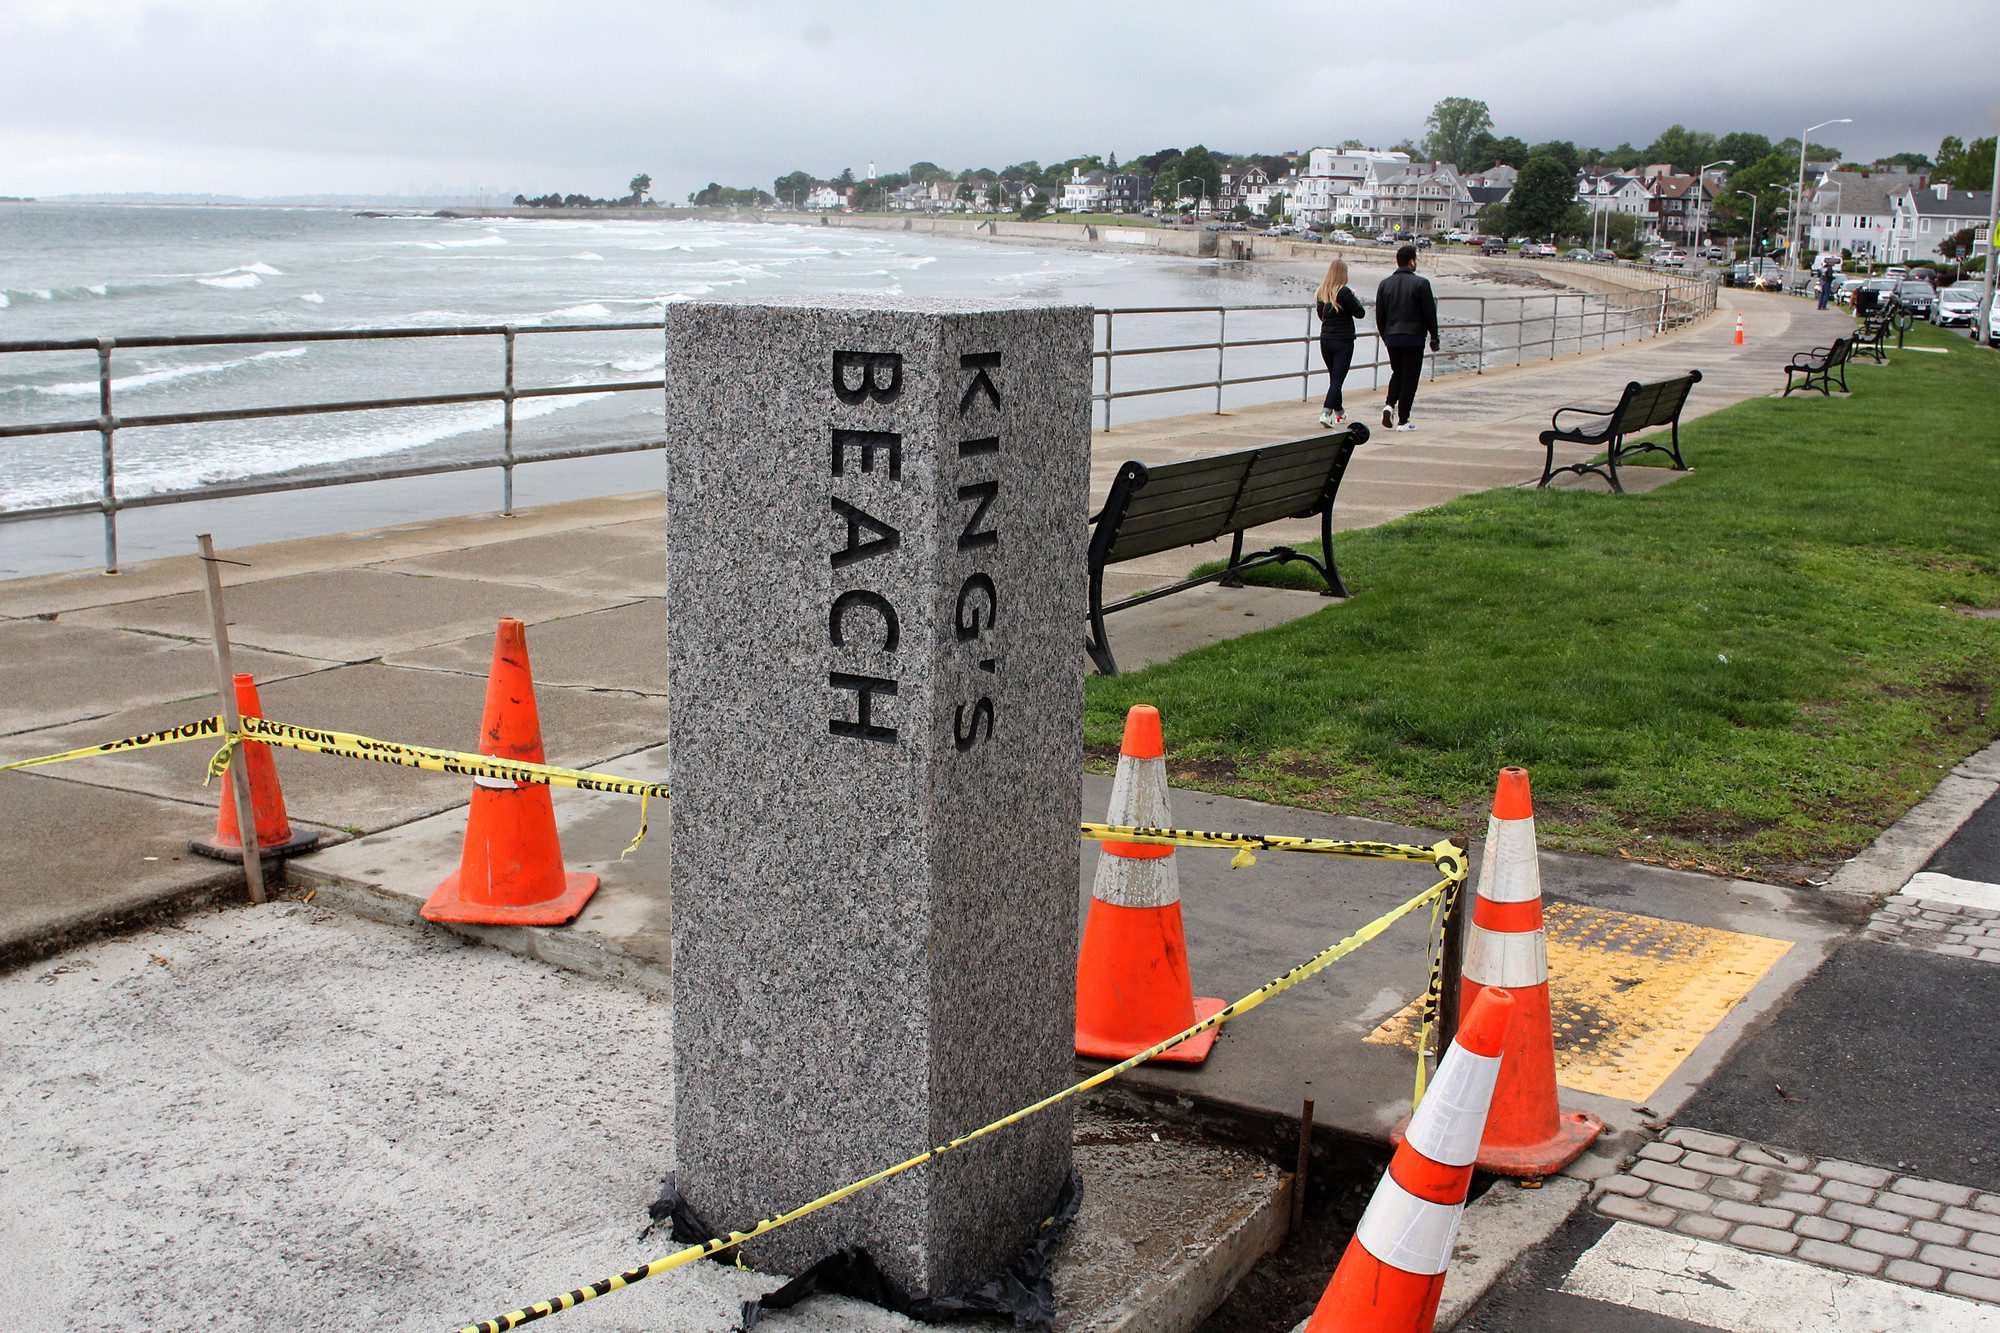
(1618, 317)
(1593, 320)
(108, 422)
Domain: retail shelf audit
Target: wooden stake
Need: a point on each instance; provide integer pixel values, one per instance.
(225, 686)
(1303, 1167)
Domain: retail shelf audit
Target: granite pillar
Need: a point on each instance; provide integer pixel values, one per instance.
(875, 589)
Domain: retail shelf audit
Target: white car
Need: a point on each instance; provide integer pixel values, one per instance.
(1956, 305)
(1344, 236)
(1666, 256)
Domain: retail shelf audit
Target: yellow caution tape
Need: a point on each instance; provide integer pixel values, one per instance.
(187, 731)
(351, 745)
(680, 1258)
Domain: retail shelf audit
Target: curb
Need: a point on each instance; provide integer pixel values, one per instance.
(1902, 849)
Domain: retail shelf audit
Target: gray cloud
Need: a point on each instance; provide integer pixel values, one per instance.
(270, 96)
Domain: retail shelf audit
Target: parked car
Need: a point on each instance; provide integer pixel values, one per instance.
(1666, 255)
(1493, 245)
(1713, 253)
(1388, 238)
(1843, 291)
(1606, 256)
(1916, 297)
(1538, 250)
(1581, 256)
(1956, 305)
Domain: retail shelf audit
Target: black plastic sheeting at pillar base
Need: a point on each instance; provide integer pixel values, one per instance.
(1021, 1293)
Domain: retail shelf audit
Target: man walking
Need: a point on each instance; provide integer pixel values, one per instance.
(1406, 314)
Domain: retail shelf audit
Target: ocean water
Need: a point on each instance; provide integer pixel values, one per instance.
(91, 271)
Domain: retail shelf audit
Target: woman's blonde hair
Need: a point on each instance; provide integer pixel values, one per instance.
(1336, 278)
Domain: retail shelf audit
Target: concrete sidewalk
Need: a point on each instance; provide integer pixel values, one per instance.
(387, 632)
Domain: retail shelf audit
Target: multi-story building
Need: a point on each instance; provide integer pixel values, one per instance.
(1423, 199)
(1854, 213)
(1927, 214)
(826, 196)
(1127, 191)
(1619, 192)
(1237, 183)
(1084, 192)
(1335, 186)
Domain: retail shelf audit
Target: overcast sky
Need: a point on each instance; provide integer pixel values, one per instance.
(360, 96)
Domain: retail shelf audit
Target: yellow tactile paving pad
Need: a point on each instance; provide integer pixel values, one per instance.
(1631, 995)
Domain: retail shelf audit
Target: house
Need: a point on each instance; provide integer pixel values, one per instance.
(1500, 175)
(1084, 192)
(1681, 204)
(1283, 192)
(1421, 200)
(1854, 212)
(1236, 185)
(826, 196)
(1618, 192)
(1927, 214)
(1127, 191)
(1334, 187)
(912, 198)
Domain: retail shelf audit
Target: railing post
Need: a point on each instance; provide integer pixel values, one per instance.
(507, 430)
(107, 466)
(1306, 362)
(1109, 357)
(1221, 348)
(1480, 369)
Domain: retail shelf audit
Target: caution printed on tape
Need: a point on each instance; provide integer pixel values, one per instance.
(351, 745)
(1276, 986)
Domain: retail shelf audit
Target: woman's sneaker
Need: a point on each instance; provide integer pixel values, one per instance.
(1327, 418)
(1340, 418)
(1388, 418)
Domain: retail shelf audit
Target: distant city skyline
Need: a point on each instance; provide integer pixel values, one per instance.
(263, 98)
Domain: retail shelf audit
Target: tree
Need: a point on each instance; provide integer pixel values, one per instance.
(1200, 174)
(793, 187)
(1624, 157)
(1111, 162)
(926, 172)
(996, 195)
(642, 185)
(1034, 208)
(1542, 197)
(1453, 124)
(1349, 146)
(1968, 166)
(1741, 146)
(1958, 245)
(1686, 149)
(1494, 219)
(1766, 179)
(1241, 213)
(1908, 161)
(1274, 209)
(1562, 150)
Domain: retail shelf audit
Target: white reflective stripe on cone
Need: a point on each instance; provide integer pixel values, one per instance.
(1509, 871)
(1512, 959)
(1406, 1232)
(1452, 1115)
(1125, 881)
(1139, 794)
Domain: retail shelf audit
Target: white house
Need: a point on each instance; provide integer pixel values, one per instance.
(1283, 191)
(824, 197)
(1620, 192)
(1083, 192)
(1928, 214)
(1853, 212)
(1335, 186)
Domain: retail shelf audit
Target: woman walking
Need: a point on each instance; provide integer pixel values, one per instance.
(1338, 308)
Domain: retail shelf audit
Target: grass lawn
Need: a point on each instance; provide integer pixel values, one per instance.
(1753, 670)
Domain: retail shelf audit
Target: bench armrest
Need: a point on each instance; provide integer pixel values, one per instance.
(1555, 421)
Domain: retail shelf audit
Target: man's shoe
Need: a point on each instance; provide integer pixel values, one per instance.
(1388, 418)
(1407, 425)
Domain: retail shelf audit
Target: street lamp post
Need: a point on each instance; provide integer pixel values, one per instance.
(1753, 220)
(1792, 246)
(1701, 203)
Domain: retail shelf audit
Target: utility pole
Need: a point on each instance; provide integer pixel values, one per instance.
(1983, 328)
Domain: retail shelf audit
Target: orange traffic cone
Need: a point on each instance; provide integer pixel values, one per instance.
(1739, 330)
(1528, 1134)
(275, 835)
(1132, 986)
(1391, 1277)
(511, 871)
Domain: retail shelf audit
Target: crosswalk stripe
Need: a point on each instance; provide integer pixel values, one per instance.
(1951, 889)
(1702, 1282)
